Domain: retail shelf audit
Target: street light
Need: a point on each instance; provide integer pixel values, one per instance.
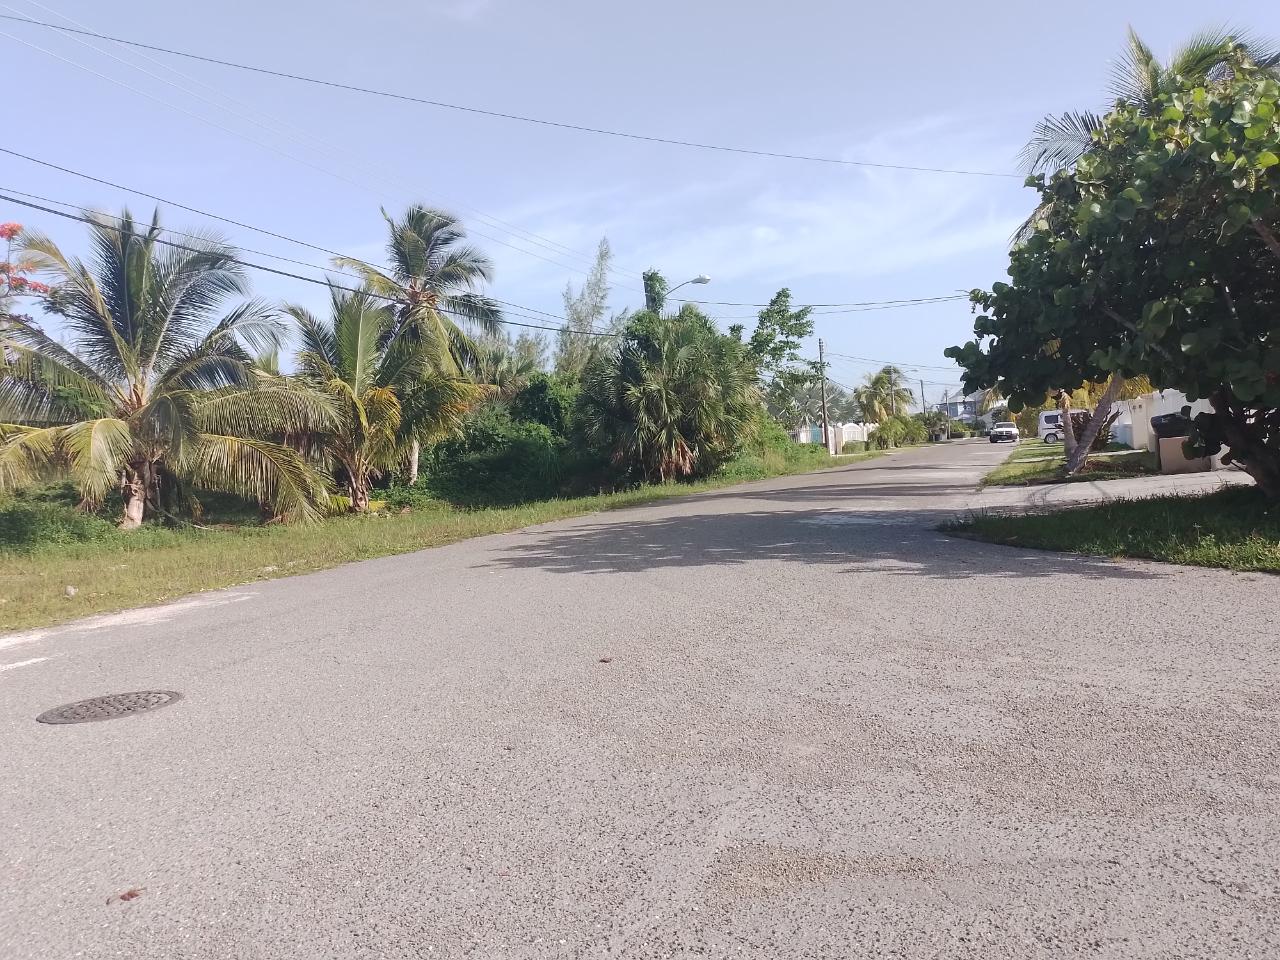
(700, 278)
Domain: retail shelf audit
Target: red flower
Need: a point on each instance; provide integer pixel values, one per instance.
(9, 230)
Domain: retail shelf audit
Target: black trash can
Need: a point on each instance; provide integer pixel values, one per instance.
(1169, 425)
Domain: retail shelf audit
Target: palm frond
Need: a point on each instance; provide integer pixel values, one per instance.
(1137, 74)
(39, 389)
(484, 312)
(27, 454)
(97, 451)
(276, 406)
(268, 472)
(1058, 142)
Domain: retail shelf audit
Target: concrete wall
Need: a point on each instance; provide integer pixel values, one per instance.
(1133, 427)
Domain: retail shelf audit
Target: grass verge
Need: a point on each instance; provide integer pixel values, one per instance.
(1237, 528)
(113, 571)
(1032, 463)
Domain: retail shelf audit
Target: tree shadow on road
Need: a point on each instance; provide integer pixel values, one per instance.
(862, 542)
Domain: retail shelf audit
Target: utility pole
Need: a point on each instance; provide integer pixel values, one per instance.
(923, 409)
(822, 367)
(893, 393)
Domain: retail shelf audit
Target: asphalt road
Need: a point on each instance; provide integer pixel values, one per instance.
(782, 720)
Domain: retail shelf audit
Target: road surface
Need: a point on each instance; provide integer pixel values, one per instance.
(782, 720)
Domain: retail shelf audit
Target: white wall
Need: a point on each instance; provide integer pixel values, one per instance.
(1133, 427)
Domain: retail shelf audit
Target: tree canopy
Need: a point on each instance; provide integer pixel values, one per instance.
(1156, 255)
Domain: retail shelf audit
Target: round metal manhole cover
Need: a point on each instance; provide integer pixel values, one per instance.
(109, 707)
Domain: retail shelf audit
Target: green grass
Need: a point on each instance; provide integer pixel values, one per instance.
(1238, 529)
(1034, 449)
(1027, 466)
(46, 546)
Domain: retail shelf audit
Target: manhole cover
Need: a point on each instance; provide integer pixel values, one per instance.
(109, 707)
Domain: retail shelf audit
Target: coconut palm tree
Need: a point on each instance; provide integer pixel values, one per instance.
(675, 399)
(433, 279)
(157, 390)
(882, 395)
(385, 383)
(1138, 78)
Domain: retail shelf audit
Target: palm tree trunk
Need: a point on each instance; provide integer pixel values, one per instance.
(358, 490)
(1068, 428)
(1078, 456)
(415, 450)
(133, 487)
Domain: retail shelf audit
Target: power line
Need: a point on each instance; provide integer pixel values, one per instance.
(277, 125)
(888, 305)
(900, 363)
(189, 236)
(256, 141)
(580, 128)
(262, 253)
(280, 273)
(855, 303)
(213, 216)
(335, 253)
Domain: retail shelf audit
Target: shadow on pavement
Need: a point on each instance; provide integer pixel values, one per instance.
(894, 542)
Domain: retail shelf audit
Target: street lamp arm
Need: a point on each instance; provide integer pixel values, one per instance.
(700, 278)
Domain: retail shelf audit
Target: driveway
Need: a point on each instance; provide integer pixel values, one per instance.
(782, 720)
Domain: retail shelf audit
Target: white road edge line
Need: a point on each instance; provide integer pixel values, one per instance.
(21, 663)
(138, 616)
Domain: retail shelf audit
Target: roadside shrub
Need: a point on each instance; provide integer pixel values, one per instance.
(496, 461)
(898, 432)
(913, 431)
(546, 400)
(416, 496)
(854, 446)
(26, 526)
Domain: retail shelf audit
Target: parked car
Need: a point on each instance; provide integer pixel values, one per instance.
(1049, 429)
(1002, 432)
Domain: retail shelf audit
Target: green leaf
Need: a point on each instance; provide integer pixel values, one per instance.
(1257, 131)
(1267, 159)
(1238, 215)
(1243, 112)
(1172, 113)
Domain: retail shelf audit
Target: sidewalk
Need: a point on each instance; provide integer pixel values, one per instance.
(1050, 496)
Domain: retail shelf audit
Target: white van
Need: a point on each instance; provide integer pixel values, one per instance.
(1050, 427)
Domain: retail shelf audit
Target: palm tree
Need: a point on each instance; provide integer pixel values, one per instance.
(433, 280)
(842, 406)
(676, 398)
(796, 404)
(882, 395)
(385, 383)
(506, 363)
(157, 390)
(1138, 78)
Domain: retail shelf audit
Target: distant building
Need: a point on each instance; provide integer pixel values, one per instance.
(962, 407)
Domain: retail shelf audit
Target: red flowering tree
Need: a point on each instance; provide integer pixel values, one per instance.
(13, 274)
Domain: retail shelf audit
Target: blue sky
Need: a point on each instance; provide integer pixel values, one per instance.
(928, 84)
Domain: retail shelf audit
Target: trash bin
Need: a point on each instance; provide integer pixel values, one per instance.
(1169, 425)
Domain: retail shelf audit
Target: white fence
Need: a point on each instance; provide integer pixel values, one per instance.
(838, 434)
